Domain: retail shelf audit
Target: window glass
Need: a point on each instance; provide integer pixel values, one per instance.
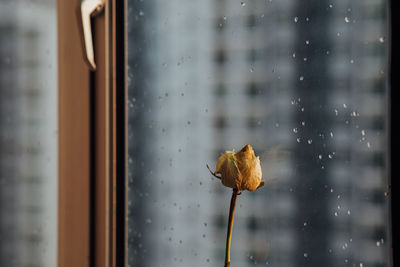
(28, 133)
(306, 84)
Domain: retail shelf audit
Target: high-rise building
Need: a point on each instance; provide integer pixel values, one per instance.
(28, 133)
(202, 82)
(359, 75)
(252, 88)
(170, 133)
(215, 75)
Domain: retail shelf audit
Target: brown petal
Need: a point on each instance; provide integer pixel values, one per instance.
(249, 168)
(227, 167)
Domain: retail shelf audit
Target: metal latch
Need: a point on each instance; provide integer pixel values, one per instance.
(89, 9)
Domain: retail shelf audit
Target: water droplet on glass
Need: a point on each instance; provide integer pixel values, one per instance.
(309, 141)
(336, 214)
(344, 105)
(351, 61)
(294, 55)
(305, 223)
(296, 19)
(251, 69)
(378, 244)
(303, 123)
(305, 59)
(368, 144)
(298, 140)
(295, 130)
(346, 19)
(305, 255)
(301, 78)
(224, 17)
(381, 39)
(320, 156)
(330, 156)
(141, 13)
(348, 212)
(243, 3)
(331, 190)
(361, 265)
(307, 42)
(362, 132)
(330, 6)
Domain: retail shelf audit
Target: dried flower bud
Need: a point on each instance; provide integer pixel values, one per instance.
(240, 170)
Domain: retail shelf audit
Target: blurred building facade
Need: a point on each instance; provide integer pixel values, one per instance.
(28, 133)
(210, 76)
(359, 75)
(253, 82)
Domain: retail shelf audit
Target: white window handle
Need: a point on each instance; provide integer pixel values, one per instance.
(90, 8)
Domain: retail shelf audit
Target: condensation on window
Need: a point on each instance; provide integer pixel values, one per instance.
(310, 79)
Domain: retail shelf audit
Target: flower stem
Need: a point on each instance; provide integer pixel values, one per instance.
(230, 225)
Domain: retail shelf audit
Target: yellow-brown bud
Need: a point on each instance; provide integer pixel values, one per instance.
(240, 170)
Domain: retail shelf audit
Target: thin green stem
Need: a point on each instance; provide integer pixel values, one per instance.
(230, 226)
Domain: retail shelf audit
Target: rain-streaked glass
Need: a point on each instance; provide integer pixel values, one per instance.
(28, 133)
(309, 79)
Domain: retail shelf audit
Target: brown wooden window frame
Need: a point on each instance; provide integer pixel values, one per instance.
(92, 139)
